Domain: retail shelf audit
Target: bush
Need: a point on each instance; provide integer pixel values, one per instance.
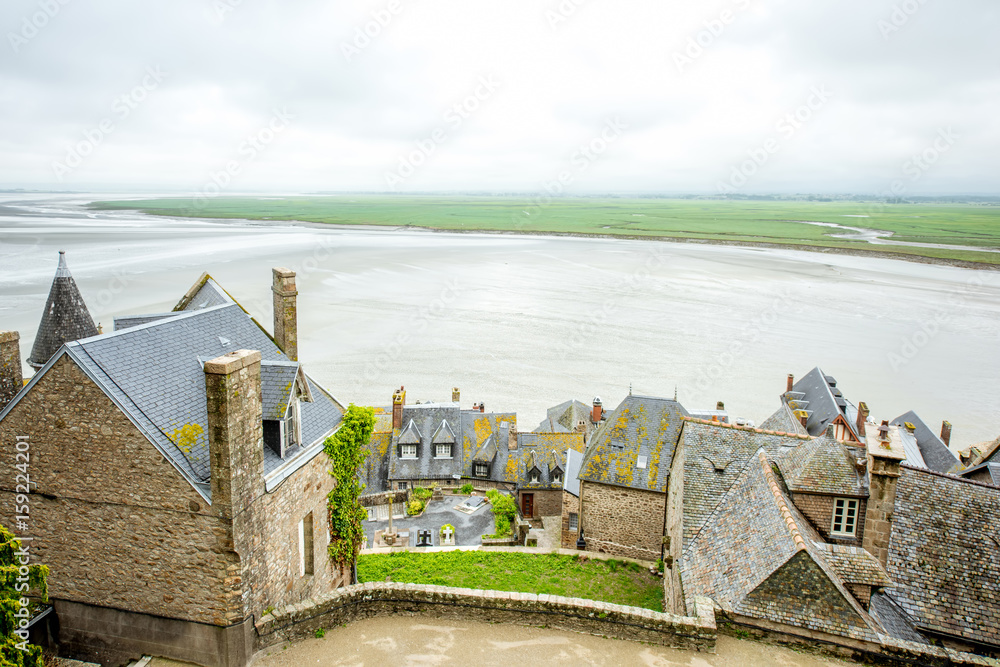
(466, 488)
(414, 507)
(420, 493)
(504, 512)
(492, 495)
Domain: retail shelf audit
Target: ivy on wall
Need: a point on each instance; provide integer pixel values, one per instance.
(20, 581)
(346, 449)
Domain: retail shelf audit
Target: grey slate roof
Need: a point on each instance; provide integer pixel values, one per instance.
(934, 454)
(893, 619)
(854, 565)
(944, 554)
(988, 473)
(565, 417)
(420, 424)
(784, 420)
(277, 379)
(129, 321)
(641, 426)
(205, 293)
(823, 466)
(64, 319)
(818, 394)
(545, 452)
(574, 460)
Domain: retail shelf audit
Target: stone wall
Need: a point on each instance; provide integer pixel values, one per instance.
(622, 521)
(819, 510)
(379, 598)
(673, 588)
(10, 366)
(881, 506)
(570, 504)
(546, 502)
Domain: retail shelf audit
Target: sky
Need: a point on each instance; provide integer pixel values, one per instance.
(563, 96)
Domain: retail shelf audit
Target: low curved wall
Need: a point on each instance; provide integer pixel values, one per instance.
(361, 601)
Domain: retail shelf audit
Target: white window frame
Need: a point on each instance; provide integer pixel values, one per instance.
(534, 478)
(306, 548)
(477, 467)
(442, 447)
(844, 522)
(408, 451)
(574, 521)
(557, 477)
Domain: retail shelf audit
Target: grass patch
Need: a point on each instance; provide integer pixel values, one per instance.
(552, 574)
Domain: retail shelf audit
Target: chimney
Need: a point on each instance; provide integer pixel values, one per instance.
(791, 381)
(10, 367)
(946, 433)
(803, 417)
(720, 406)
(286, 328)
(482, 407)
(398, 401)
(455, 395)
(885, 457)
(235, 431)
(863, 413)
(598, 411)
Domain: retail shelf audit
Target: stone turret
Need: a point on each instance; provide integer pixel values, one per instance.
(65, 319)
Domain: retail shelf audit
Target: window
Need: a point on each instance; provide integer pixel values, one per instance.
(480, 470)
(306, 545)
(401, 486)
(557, 477)
(408, 451)
(574, 521)
(442, 450)
(845, 517)
(533, 477)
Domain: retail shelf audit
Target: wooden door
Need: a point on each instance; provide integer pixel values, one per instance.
(527, 505)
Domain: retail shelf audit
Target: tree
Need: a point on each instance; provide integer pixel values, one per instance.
(19, 579)
(346, 449)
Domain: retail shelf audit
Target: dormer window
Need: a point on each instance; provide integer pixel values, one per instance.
(845, 517)
(533, 477)
(442, 450)
(408, 451)
(480, 470)
(557, 476)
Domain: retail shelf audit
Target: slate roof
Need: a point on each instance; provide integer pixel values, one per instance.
(277, 379)
(64, 319)
(988, 473)
(420, 423)
(893, 619)
(933, 453)
(817, 393)
(854, 565)
(944, 554)
(205, 293)
(565, 417)
(574, 460)
(757, 556)
(128, 321)
(641, 426)
(784, 420)
(547, 453)
(374, 472)
(989, 454)
(823, 466)
(714, 457)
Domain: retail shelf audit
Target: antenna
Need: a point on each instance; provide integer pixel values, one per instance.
(675, 392)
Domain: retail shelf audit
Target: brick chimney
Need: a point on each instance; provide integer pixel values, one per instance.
(398, 401)
(863, 413)
(946, 432)
(720, 405)
(885, 451)
(482, 407)
(286, 328)
(10, 367)
(803, 417)
(791, 382)
(598, 410)
(455, 395)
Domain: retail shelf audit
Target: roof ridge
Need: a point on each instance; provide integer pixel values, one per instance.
(946, 475)
(786, 514)
(148, 325)
(747, 428)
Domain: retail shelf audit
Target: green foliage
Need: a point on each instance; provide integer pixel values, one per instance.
(554, 574)
(447, 525)
(466, 488)
(504, 512)
(414, 507)
(16, 583)
(492, 495)
(346, 451)
(420, 493)
(659, 564)
(320, 633)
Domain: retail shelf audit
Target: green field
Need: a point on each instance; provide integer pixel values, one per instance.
(553, 574)
(744, 222)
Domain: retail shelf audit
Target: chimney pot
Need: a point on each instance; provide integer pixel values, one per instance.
(946, 432)
(286, 330)
(791, 381)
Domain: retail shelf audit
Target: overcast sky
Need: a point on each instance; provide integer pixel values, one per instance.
(665, 95)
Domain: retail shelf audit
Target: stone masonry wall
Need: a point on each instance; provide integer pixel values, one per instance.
(10, 366)
(623, 521)
(379, 598)
(112, 518)
(819, 510)
(570, 504)
(545, 502)
(881, 506)
(673, 589)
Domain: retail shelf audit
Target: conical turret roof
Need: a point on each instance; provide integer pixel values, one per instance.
(65, 319)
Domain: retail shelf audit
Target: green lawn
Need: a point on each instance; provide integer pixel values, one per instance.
(609, 581)
(691, 219)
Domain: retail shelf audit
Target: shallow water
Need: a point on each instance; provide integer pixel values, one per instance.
(526, 322)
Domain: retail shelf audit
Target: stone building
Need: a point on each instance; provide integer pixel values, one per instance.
(983, 463)
(169, 518)
(542, 469)
(623, 479)
(924, 448)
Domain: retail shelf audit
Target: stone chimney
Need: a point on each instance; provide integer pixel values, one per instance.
(482, 407)
(791, 382)
(863, 413)
(455, 395)
(286, 328)
(720, 405)
(398, 401)
(885, 451)
(10, 367)
(946, 433)
(598, 410)
(235, 431)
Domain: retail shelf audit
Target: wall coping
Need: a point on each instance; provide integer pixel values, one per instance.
(595, 555)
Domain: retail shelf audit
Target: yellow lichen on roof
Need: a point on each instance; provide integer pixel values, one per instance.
(186, 436)
(483, 429)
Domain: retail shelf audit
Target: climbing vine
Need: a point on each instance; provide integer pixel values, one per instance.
(18, 580)
(346, 449)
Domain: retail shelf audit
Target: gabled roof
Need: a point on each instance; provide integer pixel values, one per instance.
(817, 393)
(933, 453)
(854, 565)
(443, 434)
(825, 466)
(944, 554)
(487, 451)
(64, 319)
(410, 435)
(205, 293)
(423, 423)
(565, 417)
(129, 321)
(784, 420)
(641, 430)
(277, 381)
(546, 453)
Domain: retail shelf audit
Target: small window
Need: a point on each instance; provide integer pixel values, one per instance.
(557, 477)
(574, 521)
(306, 545)
(408, 451)
(533, 477)
(480, 470)
(845, 517)
(401, 486)
(442, 450)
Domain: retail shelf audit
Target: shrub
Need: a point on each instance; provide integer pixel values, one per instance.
(414, 507)
(420, 493)
(504, 513)
(466, 488)
(492, 495)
